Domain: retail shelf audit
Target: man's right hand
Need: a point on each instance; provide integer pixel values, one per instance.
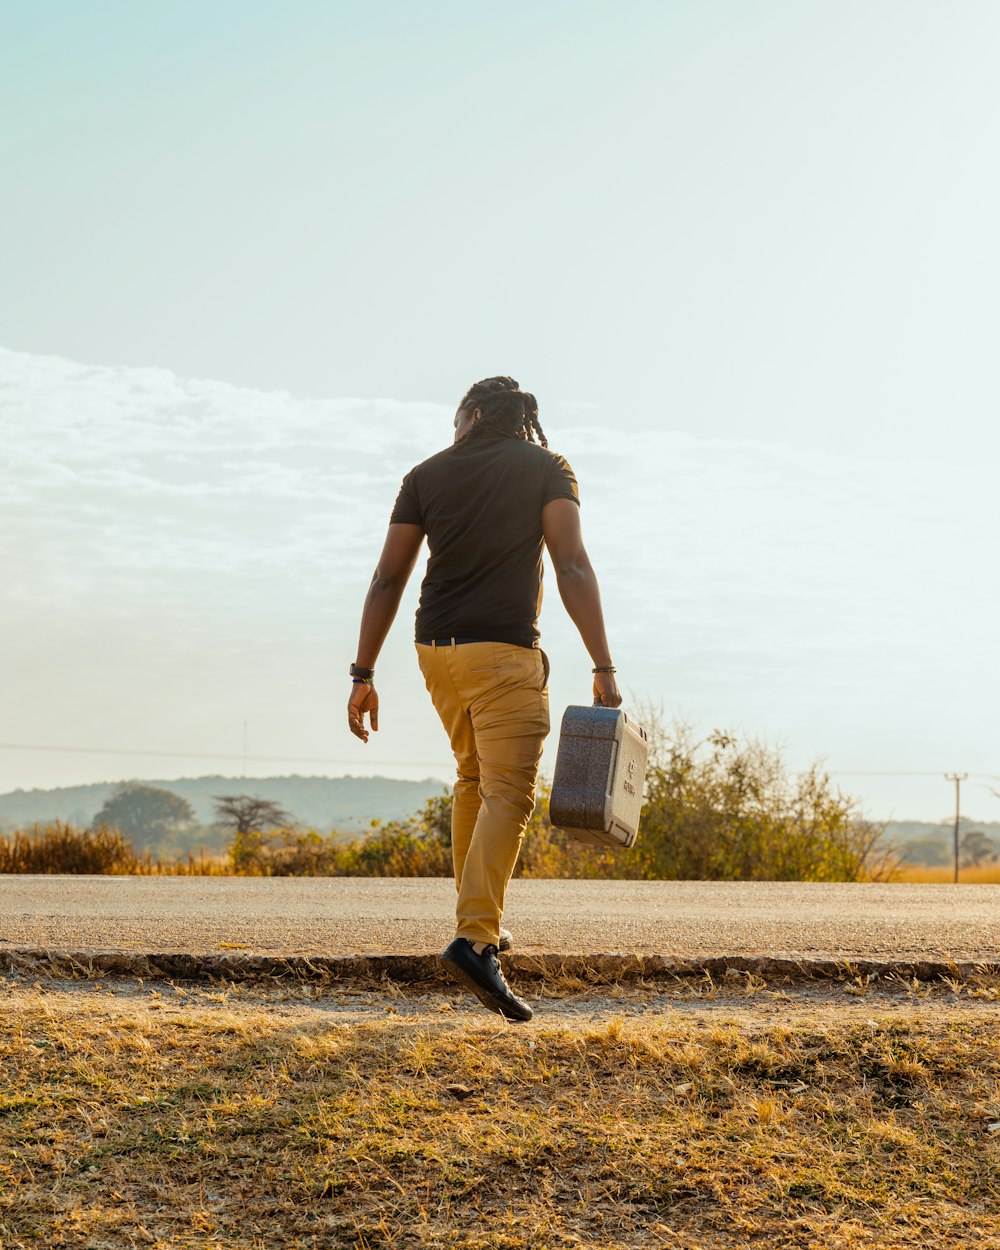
(363, 699)
(606, 692)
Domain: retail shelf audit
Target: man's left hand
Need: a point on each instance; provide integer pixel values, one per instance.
(606, 692)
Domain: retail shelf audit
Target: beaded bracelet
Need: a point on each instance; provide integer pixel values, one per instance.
(604, 668)
(361, 681)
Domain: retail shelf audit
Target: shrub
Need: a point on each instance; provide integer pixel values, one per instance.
(719, 810)
(412, 848)
(62, 848)
(715, 810)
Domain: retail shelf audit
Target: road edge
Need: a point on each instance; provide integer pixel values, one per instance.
(590, 969)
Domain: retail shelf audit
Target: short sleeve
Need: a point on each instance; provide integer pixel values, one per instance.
(407, 507)
(560, 482)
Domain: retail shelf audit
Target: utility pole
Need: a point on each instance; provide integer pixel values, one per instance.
(957, 778)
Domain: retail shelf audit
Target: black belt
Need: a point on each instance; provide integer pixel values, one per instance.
(447, 642)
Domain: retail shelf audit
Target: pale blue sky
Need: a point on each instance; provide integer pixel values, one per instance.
(745, 254)
(771, 220)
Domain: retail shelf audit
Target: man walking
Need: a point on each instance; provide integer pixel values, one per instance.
(487, 504)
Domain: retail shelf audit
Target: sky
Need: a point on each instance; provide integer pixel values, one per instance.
(745, 256)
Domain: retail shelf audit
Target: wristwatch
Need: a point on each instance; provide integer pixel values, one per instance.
(363, 674)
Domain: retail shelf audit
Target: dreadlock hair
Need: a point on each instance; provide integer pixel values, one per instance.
(505, 407)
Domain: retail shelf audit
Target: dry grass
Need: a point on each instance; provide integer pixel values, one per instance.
(60, 847)
(987, 874)
(177, 1117)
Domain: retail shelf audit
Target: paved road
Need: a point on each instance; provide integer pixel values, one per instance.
(343, 916)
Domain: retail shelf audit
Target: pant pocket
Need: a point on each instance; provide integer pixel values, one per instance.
(483, 659)
(546, 669)
(503, 659)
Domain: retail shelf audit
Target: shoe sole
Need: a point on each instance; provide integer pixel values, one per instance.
(483, 994)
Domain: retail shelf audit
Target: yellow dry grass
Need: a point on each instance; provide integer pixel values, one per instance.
(988, 874)
(175, 1117)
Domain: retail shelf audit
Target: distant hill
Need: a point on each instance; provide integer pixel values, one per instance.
(908, 830)
(348, 804)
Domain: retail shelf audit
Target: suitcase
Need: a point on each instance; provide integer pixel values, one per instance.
(599, 778)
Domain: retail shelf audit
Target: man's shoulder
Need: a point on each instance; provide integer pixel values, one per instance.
(437, 460)
(530, 455)
(533, 454)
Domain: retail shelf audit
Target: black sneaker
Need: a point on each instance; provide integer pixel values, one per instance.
(482, 975)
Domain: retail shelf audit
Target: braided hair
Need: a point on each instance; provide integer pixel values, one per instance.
(505, 407)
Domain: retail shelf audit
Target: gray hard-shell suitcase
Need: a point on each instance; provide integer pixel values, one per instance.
(600, 775)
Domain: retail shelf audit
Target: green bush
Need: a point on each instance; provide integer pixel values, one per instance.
(419, 847)
(716, 810)
(724, 811)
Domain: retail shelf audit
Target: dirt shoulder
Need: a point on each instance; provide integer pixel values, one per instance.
(699, 1113)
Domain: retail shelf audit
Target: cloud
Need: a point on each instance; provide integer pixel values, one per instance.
(114, 469)
(742, 579)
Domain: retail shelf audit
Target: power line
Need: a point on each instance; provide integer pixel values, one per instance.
(438, 763)
(214, 755)
(864, 772)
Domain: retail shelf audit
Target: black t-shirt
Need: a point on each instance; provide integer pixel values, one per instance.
(480, 504)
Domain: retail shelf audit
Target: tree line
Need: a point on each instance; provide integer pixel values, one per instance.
(715, 809)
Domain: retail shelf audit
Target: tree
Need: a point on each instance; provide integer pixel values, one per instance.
(145, 812)
(720, 809)
(244, 813)
(976, 848)
(930, 852)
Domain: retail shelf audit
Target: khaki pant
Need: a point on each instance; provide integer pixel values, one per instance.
(493, 701)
